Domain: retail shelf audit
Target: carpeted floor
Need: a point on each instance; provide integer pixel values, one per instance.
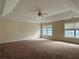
(0, 52)
(39, 49)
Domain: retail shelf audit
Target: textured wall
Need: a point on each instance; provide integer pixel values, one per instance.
(0, 31)
(14, 31)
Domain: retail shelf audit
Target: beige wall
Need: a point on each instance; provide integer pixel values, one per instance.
(14, 31)
(0, 32)
(59, 31)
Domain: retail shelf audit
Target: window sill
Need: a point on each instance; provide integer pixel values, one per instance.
(70, 38)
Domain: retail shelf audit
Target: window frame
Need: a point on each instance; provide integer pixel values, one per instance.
(47, 30)
(74, 29)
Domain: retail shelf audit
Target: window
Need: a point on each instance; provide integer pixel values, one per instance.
(71, 30)
(47, 30)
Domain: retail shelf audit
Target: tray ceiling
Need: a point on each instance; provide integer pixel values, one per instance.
(22, 10)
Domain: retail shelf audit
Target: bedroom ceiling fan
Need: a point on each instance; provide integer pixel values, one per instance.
(38, 13)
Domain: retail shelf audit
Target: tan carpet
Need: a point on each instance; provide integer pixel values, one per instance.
(39, 49)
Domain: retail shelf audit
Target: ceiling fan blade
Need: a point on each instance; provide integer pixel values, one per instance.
(45, 14)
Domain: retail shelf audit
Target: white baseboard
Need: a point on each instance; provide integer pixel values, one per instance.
(10, 41)
(17, 40)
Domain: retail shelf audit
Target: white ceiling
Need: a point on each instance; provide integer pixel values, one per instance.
(22, 10)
